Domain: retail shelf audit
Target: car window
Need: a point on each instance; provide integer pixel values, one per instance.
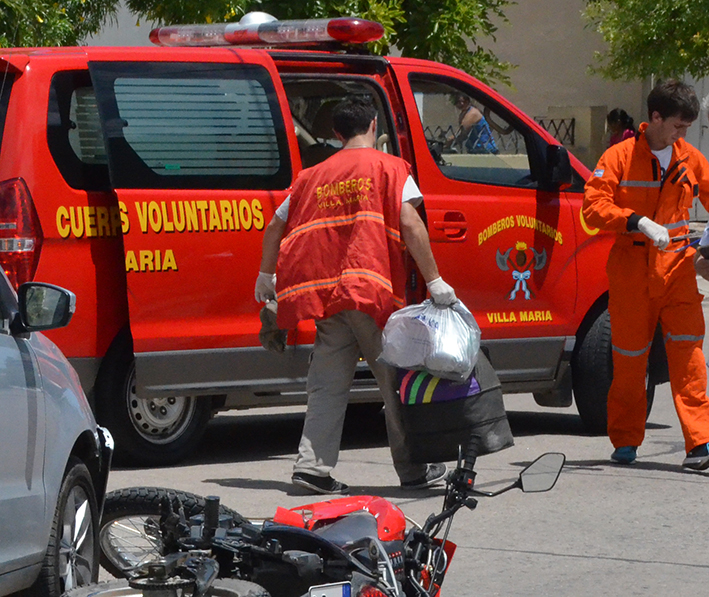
(184, 125)
(471, 140)
(74, 132)
(8, 304)
(6, 81)
(312, 101)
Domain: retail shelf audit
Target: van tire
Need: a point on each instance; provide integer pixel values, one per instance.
(147, 432)
(592, 374)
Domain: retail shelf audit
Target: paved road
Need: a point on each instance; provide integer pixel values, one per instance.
(603, 530)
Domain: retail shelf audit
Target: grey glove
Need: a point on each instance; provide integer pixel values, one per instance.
(265, 287)
(659, 235)
(271, 337)
(441, 293)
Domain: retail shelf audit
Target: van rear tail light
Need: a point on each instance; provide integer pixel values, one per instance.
(20, 232)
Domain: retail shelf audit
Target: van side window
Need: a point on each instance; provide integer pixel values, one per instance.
(469, 140)
(74, 132)
(6, 81)
(312, 101)
(191, 126)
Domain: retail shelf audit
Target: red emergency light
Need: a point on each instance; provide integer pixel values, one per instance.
(260, 29)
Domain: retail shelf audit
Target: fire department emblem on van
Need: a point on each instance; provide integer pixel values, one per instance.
(520, 260)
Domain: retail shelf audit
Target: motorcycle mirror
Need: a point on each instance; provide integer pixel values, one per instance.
(543, 473)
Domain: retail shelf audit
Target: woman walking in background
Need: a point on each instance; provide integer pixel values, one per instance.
(620, 125)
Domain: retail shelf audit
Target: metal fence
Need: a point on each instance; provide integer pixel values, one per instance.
(562, 129)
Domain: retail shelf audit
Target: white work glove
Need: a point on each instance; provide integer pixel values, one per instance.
(265, 287)
(441, 293)
(659, 235)
(704, 245)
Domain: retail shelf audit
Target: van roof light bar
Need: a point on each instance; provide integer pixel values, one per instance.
(260, 29)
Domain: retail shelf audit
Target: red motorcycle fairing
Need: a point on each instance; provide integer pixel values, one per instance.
(391, 522)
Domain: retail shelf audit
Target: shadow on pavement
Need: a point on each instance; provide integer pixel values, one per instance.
(245, 437)
(387, 491)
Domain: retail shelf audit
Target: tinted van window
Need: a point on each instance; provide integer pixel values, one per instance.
(183, 125)
(74, 132)
(6, 80)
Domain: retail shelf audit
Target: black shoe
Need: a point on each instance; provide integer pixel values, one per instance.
(434, 474)
(697, 458)
(319, 484)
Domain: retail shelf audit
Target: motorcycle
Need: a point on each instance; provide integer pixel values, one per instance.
(167, 543)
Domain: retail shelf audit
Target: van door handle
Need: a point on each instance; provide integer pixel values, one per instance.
(447, 225)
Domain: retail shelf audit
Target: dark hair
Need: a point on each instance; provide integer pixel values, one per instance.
(673, 98)
(352, 116)
(619, 116)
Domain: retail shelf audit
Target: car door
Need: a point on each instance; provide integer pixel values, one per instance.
(501, 238)
(23, 534)
(199, 154)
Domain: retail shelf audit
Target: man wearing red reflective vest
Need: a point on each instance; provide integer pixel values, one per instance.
(642, 189)
(337, 242)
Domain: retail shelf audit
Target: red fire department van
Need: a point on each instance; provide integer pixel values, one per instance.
(143, 178)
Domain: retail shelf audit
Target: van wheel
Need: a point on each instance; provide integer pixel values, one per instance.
(592, 373)
(147, 431)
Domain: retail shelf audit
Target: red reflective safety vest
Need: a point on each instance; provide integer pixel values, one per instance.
(342, 248)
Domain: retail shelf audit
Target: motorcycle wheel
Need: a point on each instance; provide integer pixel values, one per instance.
(222, 587)
(129, 534)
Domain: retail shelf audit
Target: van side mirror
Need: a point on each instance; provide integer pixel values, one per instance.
(44, 306)
(558, 171)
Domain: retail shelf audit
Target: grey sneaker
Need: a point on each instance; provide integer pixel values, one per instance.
(697, 458)
(434, 474)
(317, 484)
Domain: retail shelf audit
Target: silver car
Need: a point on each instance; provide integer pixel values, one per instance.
(54, 459)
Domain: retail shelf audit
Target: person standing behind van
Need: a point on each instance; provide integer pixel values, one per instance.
(337, 242)
(620, 125)
(642, 190)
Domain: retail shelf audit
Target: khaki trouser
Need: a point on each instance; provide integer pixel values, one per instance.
(339, 341)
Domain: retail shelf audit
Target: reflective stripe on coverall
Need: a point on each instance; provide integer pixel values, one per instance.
(647, 285)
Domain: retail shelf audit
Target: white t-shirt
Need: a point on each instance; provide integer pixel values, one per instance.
(410, 194)
(664, 156)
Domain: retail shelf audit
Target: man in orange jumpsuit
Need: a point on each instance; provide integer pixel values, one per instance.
(642, 189)
(337, 242)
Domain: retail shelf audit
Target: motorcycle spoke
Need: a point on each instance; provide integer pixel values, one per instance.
(131, 541)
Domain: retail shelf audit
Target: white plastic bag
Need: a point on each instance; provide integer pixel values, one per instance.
(441, 339)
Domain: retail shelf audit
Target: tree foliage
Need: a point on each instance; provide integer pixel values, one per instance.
(26, 23)
(438, 30)
(442, 30)
(665, 38)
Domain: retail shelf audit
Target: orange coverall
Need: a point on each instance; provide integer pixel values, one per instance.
(647, 285)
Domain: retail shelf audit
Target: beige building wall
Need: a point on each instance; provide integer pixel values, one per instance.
(549, 42)
(552, 47)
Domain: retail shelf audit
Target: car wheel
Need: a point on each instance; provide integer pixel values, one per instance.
(223, 587)
(72, 557)
(130, 525)
(147, 431)
(592, 374)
